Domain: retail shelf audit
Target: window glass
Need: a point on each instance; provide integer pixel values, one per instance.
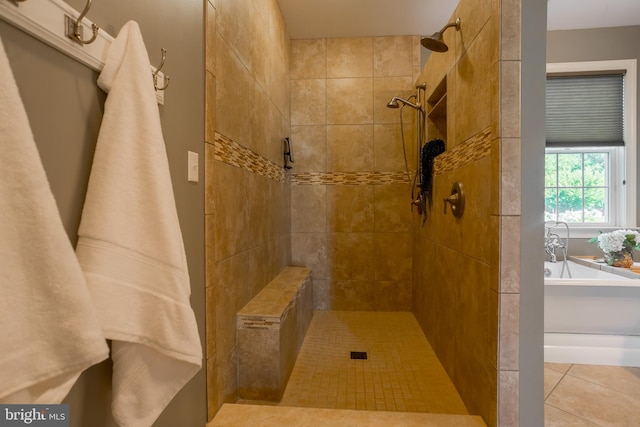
(582, 193)
(595, 206)
(550, 170)
(570, 170)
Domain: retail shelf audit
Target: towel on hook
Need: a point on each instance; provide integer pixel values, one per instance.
(130, 245)
(50, 333)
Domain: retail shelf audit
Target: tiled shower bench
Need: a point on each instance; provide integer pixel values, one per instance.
(270, 331)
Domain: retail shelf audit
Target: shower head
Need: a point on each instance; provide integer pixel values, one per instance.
(393, 103)
(396, 100)
(435, 41)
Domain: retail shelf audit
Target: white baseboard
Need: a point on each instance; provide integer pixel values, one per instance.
(591, 349)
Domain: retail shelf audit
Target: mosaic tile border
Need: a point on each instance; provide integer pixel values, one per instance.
(230, 152)
(349, 178)
(234, 154)
(474, 148)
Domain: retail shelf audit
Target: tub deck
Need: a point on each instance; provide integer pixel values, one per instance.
(599, 264)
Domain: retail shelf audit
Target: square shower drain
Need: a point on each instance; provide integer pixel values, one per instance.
(361, 355)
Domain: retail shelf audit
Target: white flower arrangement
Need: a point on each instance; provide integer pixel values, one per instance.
(618, 240)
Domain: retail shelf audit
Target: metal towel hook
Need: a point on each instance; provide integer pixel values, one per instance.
(155, 73)
(288, 154)
(74, 28)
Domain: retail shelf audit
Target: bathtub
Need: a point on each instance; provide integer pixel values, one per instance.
(591, 318)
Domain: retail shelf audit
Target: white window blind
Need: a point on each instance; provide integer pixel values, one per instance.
(585, 110)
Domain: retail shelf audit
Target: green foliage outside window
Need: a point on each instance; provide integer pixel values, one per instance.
(577, 187)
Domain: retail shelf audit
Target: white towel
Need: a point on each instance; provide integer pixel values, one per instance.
(49, 333)
(130, 245)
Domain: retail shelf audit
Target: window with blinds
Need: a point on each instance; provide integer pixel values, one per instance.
(585, 110)
(591, 145)
(584, 125)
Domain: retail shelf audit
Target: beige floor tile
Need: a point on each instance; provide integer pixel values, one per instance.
(280, 416)
(401, 373)
(554, 417)
(622, 379)
(551, 380)
(596, 403)
(559, 367)
(393, 379)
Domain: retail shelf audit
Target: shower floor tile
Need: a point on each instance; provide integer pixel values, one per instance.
(401, 372)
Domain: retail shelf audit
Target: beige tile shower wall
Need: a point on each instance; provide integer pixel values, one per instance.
(466, 270)
(247, 207)
(350, 197)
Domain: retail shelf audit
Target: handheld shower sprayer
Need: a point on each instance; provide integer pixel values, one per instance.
(396, 101)
(418, 99)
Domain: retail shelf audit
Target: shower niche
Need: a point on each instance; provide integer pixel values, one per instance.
(437, 112)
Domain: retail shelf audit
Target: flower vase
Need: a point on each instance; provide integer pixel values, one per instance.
(622, 258)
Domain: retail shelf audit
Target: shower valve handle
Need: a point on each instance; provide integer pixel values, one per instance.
(453, 199)
(418, 203)
(456, 199)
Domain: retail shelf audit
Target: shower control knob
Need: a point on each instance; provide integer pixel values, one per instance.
(453, 199)
(456, 200)
(418, 204)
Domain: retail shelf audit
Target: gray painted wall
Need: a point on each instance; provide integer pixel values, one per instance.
(65, 106)
(596, 44)
(531, 262)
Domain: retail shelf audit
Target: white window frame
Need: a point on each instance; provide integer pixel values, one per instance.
(615, 198)
(625, 199)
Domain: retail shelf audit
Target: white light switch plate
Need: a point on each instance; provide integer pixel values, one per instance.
(192, 166)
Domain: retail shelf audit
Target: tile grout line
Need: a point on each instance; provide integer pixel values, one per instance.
(573, 415)
(564, 374)
(591, 381)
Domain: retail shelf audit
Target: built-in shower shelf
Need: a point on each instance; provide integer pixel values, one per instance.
(439, 110)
